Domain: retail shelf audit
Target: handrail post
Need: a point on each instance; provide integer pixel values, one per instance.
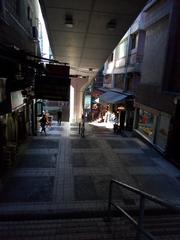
(109, 200)
(79, 127)
(82, 128)
(141, 217)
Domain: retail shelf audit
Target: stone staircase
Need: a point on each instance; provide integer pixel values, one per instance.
(163, 227)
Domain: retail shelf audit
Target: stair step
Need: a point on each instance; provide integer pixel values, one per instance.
(166, 228)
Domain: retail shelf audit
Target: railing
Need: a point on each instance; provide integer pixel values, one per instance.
(143, 196)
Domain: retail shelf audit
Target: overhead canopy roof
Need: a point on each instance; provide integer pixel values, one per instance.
(83, 33)
(112, 97)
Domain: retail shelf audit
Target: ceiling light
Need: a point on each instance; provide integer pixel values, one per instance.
(111, 25)
(69, 21)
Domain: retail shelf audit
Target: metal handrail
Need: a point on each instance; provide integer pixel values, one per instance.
(143, 196)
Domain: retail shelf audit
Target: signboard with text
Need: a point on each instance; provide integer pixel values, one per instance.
(55, 84)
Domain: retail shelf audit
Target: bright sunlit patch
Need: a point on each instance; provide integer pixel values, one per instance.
(102, 124)
(43, 37)
(71, 103)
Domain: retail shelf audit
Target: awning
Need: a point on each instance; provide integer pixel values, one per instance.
(112, 97)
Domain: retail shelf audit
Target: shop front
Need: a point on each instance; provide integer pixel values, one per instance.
(16, 120)
(146, 123)
(153, 125)
(117, 107)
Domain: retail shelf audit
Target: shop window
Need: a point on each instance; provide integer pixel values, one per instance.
(162, 130)
(146, 123)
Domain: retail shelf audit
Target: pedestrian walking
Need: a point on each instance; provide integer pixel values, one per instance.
(59, 116)
(43, 122)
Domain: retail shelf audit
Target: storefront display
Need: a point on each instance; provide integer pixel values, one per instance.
(162, 130)
(154, 126)
(146, 123)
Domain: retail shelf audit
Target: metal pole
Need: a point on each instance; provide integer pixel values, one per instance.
(109, 201)
(141, 218)
(35, 122)
(79, 127)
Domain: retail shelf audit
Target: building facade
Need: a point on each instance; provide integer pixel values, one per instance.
(18, 43)
(145, 63)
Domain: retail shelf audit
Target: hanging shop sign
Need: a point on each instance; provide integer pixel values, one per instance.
(55, 84)
(5, 102)
(2, 89)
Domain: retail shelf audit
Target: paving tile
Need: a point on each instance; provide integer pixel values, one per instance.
(144, 170)
(159, 185)
(44, 143)
(28, 189)
(83, 143)
(88, 160)
(38, 161)
(136, 160)
(123, 144)
(102, 188)
(55, 129)
(74, 129)
(84, 188)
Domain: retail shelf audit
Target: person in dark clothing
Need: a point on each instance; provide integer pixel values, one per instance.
(59, 117)
(43, 122)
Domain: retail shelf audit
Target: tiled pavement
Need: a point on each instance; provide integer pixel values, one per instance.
(62, 172)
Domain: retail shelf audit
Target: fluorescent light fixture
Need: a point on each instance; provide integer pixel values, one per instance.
(111, 25)
(69, 21)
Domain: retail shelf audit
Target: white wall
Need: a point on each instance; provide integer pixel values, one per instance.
(76, 98)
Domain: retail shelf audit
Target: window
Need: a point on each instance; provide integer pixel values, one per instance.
(29, 15)
(110, 58)
(133, 40)
(129, 81)
(122, 49)
(107, 79)
(119, 81)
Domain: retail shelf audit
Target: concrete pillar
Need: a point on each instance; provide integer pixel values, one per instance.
(76, 97)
